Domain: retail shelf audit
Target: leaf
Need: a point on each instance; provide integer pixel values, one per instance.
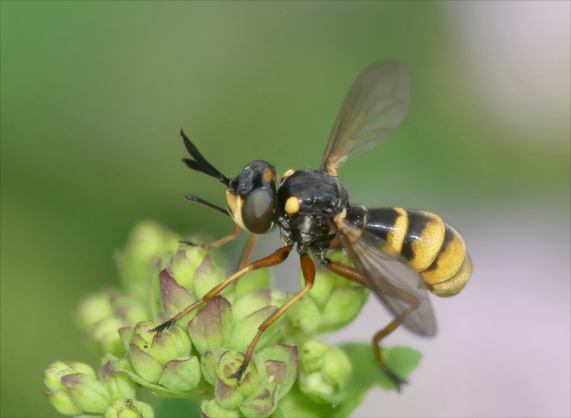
(401, 360)
(174, 408)
(366, 375)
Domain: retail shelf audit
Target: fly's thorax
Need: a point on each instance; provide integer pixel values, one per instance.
(308, 200)
(310, 193)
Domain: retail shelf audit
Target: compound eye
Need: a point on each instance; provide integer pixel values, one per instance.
(258, 210)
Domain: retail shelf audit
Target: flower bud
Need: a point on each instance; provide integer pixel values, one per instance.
(342, 307)
(174, 297)
(63, 403)
(228, 364)
(181, 375)
(209, 364)
(102, 314)
(162, 358)
(211, 409)
(251, 302)
(148, 242)
(184, 264)
(261, 404)
(93, 309)
(211, 327)
(207, 276)
(130, 409)
(73, 389)
(227, 397)
(336, 302)
(279, 364)
(245, 330)
(86, 392)
(304, 317)
(325, 372)
(252, 281)
(119, 386)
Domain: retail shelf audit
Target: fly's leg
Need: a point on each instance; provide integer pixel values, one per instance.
(353, 274)
(247, 251)
(393, 325)
(276, 258)
(218, 243)
(346, 271)
(308, 269)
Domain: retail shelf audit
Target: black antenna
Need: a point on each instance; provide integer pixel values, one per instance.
(194, 198)
(200, 163)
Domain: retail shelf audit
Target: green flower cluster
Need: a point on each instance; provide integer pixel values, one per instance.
(74, 389)
(197, 359)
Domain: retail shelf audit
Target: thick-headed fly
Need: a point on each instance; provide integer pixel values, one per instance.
(399, 254)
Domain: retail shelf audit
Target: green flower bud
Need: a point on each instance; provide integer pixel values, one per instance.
(144, 364)
(184, 264)
(325, 372)
(58, 369)
(63, 403)
(105, 333)
(252, 281)
(212, 326)
(249, 303)
(73, 388)
(119, 386)
(207, 275)
(93, 309)
(228, 397)
(261, 404)
(162, 358)
(343, 306)
(304, 317)
(209, 364)
(280, 366)
(86, 392)
(181, 375)
(336, 302)
(148, 242)
(228, 364)
(102, 314)
(324, 284)
(174, 297)
(245, 330)
(211, 409)
(130, 409)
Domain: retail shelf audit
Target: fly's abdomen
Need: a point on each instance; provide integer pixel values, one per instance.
(428, 245)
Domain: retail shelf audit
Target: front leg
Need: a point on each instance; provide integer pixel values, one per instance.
(308, 269)
(218, 243)
(275, 258)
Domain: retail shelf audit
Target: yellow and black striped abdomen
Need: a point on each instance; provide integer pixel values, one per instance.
(426, 243)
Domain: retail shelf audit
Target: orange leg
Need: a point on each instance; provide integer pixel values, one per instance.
(347, 271)
(247, 251)
(276, 258)
(353, 274)
(225, 240)
(218, 243)
(308, 269)
(380, 335)
(336, 244)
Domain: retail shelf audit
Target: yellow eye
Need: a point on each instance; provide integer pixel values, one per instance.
(292, 205)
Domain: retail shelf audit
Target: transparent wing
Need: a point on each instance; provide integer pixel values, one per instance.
(397, 286)
(375, 105)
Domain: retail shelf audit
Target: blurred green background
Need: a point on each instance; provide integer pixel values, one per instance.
(93, 95)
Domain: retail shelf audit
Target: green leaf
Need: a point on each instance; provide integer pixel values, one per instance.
(175, 408)
(366, 375)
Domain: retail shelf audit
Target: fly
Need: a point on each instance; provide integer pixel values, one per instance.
(401, 255)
